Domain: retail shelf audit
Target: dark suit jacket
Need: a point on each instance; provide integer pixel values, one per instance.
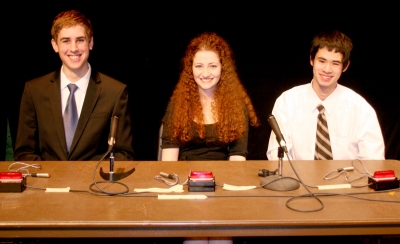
(41, 129)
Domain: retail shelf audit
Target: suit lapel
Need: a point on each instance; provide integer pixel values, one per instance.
(91, 97)
(55, 103)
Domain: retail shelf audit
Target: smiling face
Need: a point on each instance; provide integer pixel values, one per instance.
(206, 71)
(327, 68)
(73, 46)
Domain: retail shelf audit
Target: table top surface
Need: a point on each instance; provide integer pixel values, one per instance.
(233, 213)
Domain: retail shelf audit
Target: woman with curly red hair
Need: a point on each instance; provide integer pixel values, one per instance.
(209, 112)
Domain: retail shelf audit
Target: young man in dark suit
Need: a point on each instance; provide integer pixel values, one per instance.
(44, 132)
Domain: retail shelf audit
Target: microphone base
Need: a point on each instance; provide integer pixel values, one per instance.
(111, 176)
(274, 183)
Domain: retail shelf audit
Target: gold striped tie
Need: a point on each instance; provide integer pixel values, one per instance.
(323, 149)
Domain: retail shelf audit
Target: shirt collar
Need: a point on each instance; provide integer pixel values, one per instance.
(328, 103)
(81, 83)
(312, 98)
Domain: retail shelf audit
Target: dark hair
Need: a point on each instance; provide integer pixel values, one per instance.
(334, 40)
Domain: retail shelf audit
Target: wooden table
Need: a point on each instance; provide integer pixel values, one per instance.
(257, 212)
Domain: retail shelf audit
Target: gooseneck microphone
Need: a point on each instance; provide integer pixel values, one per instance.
(111, 176)
(279, 137)
(275, 181)
(113, 132)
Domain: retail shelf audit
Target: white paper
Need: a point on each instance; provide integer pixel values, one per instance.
(330, 187)
(175, 197)
(238, 188)
(176, 188)
(66, 189)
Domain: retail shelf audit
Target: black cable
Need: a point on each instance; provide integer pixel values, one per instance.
(292, 197)
(125, 193)
(305, 186)
(277, 179)
(95, 183)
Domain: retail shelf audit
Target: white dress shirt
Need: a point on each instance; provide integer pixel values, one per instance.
(352, 123)
(80, 93)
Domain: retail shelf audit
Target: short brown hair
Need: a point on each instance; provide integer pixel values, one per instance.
(68, 19)
(333, 40)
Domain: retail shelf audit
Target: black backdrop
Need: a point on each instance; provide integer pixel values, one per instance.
(141, 44)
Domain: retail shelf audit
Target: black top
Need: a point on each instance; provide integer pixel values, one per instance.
(209, 148)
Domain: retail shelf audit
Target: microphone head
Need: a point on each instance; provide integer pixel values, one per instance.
(113, 131)
(278, 134)
(275, 127)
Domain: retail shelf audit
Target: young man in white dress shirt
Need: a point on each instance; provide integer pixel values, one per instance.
(353, 126)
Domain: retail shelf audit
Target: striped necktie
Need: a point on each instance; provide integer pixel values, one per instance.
(70, 116)
(323, 149)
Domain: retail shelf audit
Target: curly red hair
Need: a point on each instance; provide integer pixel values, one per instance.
(231, 102)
